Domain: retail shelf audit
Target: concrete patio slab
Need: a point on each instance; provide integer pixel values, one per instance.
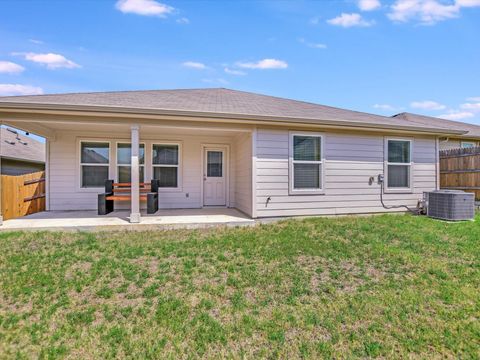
(119, 220)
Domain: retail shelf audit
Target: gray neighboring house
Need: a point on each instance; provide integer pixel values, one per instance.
(470, 139)
(20, 154)
(263, 155)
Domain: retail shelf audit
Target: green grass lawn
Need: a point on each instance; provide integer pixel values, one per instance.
(386, 286)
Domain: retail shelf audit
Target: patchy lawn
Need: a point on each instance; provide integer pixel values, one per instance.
(387, 286)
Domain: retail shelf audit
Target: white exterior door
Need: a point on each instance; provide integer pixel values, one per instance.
(214, 184)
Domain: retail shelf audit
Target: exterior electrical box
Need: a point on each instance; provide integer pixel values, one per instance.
(453, 205)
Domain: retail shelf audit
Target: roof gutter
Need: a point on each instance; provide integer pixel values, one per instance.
(89, 110)
(4, 157)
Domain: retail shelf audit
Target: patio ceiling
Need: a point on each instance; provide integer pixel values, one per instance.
(48, 126)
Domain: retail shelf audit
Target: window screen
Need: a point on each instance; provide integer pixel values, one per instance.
(165, 159)
(94, 162)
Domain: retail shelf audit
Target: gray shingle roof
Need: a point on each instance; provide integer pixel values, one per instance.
(211, 101)
(21, 147)
(473, 130)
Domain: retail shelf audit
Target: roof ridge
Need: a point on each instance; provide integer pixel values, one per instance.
(306, 102)
(111, 92)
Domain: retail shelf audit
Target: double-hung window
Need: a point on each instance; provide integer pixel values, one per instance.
(166, 165)
(306, 161)
(124, 162)
(398, 164)
(94, 163)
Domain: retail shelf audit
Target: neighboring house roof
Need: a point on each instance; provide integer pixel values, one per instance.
(473, 130)
(16, 146)
(219, 102)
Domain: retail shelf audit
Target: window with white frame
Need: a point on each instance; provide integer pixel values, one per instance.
(399, 163)
(124, 162)
(94, 163)
(166, 164)
(306, 163)
(468, 144)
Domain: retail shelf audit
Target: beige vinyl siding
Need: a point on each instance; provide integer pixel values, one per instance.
(350, 159)
(243, 173)
(65, 191)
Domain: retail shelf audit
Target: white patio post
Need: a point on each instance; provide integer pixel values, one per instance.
(135, 175)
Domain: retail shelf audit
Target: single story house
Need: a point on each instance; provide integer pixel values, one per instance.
(470, 139)
(20, 154)
(263, 155)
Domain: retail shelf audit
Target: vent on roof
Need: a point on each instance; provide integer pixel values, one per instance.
(10, 142)
(451, 205)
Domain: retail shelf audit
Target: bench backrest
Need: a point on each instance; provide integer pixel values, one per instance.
(111, 186)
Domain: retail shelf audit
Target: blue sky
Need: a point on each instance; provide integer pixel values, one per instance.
(376, 56)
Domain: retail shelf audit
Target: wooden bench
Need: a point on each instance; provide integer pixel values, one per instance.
(122, 192)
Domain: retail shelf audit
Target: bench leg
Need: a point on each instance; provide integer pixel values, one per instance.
(104, 206)
(152, 203)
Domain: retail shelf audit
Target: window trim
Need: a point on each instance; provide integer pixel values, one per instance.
(291, 162)
(80, 164)
(410, 164)
(117, 164)
(474, 143)
(179, 166)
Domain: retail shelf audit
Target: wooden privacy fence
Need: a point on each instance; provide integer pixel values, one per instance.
(23, 194)
(460, 170)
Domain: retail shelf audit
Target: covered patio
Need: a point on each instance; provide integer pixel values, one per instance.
(205, 170)
(88, 220)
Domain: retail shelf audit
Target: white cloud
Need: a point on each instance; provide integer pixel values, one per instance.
(17, 89)
(427, 12)
(312, 45)
(234, 72)
(315, 20)
(7, 67)
(474, 98)
(35, 41)
(317, 45)
(350, 20)
(183, 21)
(385, 107)
(264, 64)
(144, 7)
(456, 115)
(368, 5)
(471, 106)
(427, 105)
(468, 3)
(194, 65)
(50, 60)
